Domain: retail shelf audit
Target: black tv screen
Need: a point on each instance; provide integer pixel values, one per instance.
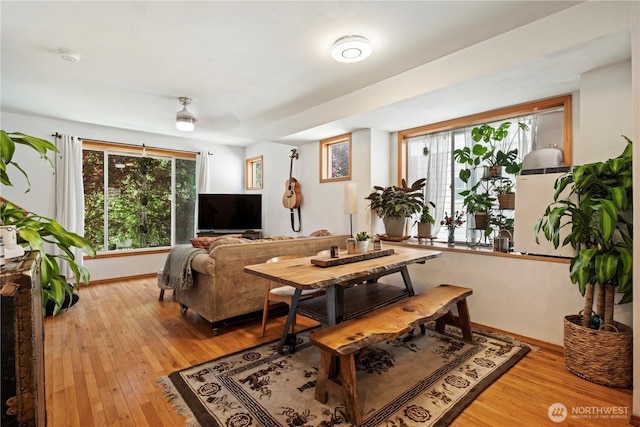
(229, 212)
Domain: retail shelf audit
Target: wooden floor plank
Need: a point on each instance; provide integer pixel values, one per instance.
(103, 358)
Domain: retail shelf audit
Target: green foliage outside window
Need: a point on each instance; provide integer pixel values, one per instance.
(339, 156)
(139, 197)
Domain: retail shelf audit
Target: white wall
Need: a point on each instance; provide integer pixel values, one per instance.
(227, 169)
(523, 296)
(322, 203)
(605, 113)
(382, 165)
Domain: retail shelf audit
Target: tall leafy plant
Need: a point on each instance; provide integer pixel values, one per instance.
(491, 148)
(599, 228)
(398, 201)
(39, 232)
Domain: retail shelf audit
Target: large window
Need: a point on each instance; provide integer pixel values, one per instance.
(428, 152)
(137, 198)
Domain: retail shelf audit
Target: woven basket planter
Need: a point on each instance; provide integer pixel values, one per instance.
(480, 220)
(507, 201)
(602, 357)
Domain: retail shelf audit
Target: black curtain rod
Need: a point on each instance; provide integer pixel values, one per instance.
(57, 135)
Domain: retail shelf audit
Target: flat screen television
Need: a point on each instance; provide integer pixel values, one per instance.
(229, 212)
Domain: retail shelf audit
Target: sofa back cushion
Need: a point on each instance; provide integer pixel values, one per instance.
(204, 242)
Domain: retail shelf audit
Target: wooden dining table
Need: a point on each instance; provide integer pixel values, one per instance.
(351, 283)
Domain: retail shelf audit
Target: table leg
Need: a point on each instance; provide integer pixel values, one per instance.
(407, 280)
(407, 283)
(288, 338)
(335, 304)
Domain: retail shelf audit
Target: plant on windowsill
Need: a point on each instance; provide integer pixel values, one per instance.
(489, 151)
(35, 231)
(478, 204)
(425, 221)
(599, 226)
(394, 204)
(505, 193)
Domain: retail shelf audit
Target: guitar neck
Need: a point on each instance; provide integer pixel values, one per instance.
(294, 155)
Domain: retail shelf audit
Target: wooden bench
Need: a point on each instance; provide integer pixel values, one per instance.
(341, 343)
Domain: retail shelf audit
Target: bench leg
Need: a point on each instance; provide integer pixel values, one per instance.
(348, 377)
(161, 297)
(326, 367)
(345, 387)
(462, 321)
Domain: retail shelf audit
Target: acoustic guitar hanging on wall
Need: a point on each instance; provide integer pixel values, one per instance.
(292, 198)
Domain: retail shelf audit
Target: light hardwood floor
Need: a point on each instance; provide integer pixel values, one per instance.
(103, 356)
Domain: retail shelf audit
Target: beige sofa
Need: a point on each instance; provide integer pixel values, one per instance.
(222, 290)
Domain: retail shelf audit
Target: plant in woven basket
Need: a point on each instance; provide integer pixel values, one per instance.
(600, 230)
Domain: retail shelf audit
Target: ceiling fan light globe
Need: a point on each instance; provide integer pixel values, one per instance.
(185, 120)
(185, 125)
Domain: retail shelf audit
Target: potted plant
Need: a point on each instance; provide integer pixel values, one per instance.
(490, 152)
(504, 189)
(37, 231)
(425, 221)
(362, 242)
(394, 204)
(478, 203)
(600, 229)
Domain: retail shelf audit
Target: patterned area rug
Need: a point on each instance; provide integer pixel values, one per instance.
(418, 380)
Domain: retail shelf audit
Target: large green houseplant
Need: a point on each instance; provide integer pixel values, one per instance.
(37, 232)
(394, 204)
(597, 223)
(491, 150)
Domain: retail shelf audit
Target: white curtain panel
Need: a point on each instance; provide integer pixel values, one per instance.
(204, 172)
(70, 193)
(435, 167)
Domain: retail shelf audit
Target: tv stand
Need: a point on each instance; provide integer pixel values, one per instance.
(248, 234)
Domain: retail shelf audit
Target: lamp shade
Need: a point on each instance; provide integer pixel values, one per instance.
(351, 198)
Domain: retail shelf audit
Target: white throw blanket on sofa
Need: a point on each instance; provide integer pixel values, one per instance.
(177, 273)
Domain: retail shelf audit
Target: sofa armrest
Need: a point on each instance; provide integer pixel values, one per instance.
(204, 264)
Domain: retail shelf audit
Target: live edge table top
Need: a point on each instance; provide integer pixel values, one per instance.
(302, 274)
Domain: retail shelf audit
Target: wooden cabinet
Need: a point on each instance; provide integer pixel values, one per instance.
(22, 393)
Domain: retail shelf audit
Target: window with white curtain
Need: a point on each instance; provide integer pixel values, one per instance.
(137, 198)
(431, 156)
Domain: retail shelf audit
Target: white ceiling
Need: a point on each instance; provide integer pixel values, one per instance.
(257, 71)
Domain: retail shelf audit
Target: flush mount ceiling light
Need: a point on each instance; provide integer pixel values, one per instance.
(185, 120)
(351, 49)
